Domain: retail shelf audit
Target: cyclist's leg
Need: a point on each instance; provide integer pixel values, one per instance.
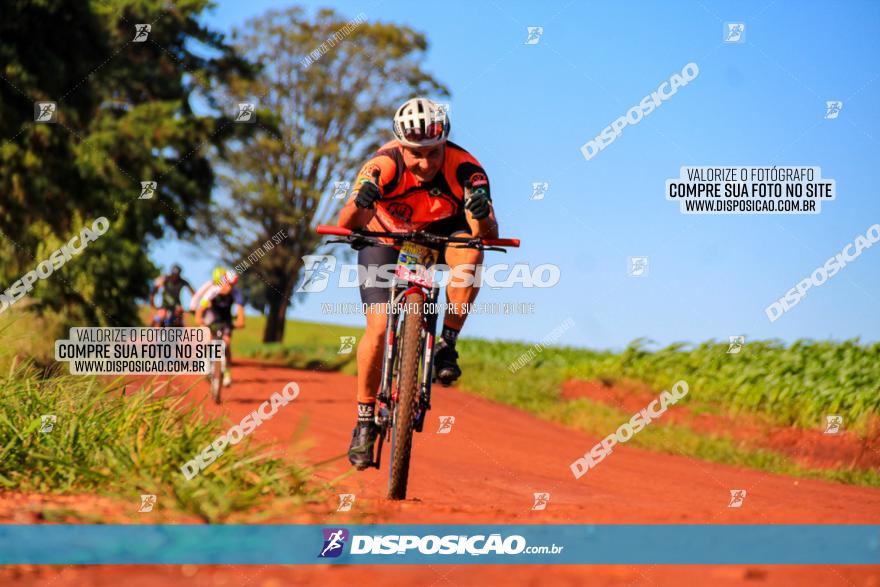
(369, 353)
(167, 307)
(461, 291)
(458, 294)
(222, 327)
(168, 311)
(227, 338)
(224, 331)
(227, 371)
(369, 357)
(375, 298)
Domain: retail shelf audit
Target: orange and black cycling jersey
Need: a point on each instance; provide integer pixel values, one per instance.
(406, 203)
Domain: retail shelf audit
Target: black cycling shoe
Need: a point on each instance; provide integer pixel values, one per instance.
(360, 452)
(446, 369)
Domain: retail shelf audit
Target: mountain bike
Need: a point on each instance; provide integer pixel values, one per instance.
(215, 375)
(173, 318)
(404, 396)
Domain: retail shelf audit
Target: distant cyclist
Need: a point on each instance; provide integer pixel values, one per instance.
(171, 285)
(215, 311)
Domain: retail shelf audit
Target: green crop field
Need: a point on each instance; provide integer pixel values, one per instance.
(798, 384)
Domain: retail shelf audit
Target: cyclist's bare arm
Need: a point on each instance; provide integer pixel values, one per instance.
(379, 170)
(485, 228)
(192, 293)
(354, 218)
(239, 316)
(200, 311)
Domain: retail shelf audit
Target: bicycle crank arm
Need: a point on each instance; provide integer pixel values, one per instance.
(381, 439)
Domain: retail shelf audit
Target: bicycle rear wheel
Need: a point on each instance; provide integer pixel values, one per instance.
(407, 396)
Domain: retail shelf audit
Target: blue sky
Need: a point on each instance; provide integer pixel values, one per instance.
(525, 110)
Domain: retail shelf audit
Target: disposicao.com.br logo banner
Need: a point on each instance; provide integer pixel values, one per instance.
(629, 544)
(429, 544)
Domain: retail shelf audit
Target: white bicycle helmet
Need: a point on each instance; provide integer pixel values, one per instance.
(419, 122)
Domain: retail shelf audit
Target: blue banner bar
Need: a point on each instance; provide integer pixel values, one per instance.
(57, 544)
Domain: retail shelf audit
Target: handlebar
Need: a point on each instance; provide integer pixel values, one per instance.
(418, 236)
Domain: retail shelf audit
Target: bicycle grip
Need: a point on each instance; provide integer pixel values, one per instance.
(501, 242)
(334, 230)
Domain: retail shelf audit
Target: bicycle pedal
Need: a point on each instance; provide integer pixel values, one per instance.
(441, 381)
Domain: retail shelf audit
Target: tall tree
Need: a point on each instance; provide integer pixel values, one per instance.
(122, 116)
(325, 96)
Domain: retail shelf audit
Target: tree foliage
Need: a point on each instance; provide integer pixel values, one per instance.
(123, 117)
(325, 95)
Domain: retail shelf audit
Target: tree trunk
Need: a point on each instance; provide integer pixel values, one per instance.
(275, 319)
(278, 304)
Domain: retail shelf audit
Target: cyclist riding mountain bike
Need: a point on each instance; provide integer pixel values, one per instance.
(418, 181)
(171, 285)
(215, 311)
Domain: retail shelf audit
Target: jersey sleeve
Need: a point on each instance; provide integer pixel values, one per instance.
(470, 170)
(196, 299)
(210, 292)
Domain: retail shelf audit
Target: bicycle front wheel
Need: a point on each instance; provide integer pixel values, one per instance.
(407, 396)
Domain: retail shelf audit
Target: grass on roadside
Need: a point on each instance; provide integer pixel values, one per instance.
(306, 345)
(123, 441)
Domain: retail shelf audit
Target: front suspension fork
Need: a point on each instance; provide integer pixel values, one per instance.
(429, 329)
(390, 344)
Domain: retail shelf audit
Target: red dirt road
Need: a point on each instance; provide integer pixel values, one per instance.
(486, 469)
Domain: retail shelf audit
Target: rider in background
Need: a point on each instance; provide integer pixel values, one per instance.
(419, 181)
(171, 285)
(215, 311)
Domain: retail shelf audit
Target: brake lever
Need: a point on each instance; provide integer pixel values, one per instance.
(355, 243)
(359, 242)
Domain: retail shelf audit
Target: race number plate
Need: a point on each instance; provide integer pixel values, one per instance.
(415, 262)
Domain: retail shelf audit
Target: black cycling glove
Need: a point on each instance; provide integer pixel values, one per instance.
(476, 201)
(368, 193)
